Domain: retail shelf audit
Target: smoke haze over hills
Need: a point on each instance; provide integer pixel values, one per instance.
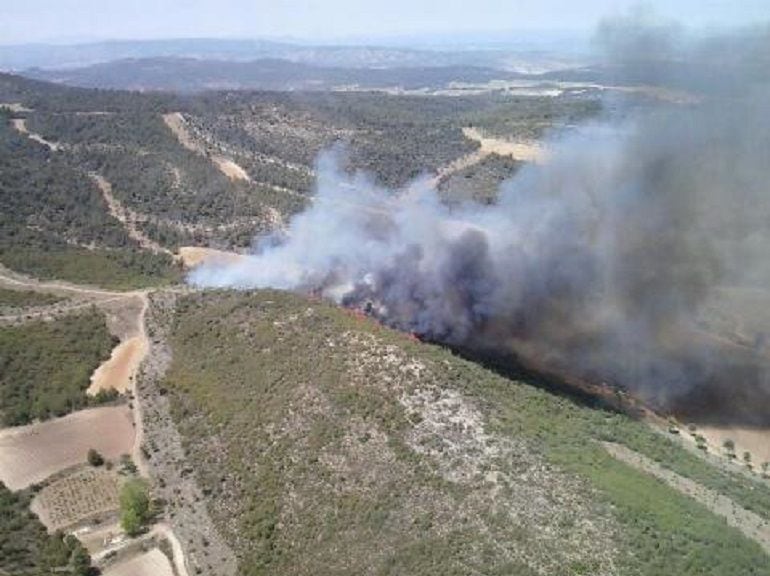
(600, 262)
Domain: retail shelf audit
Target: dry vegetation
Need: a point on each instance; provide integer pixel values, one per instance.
(327, 444)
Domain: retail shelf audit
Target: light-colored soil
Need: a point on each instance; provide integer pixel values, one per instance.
(98, 539)
(83, 495)
(127, 217)
(178, 125)
(30, 454)
(525, 151)
(15, 107)
(118, 372)
(193, 256)
(230, 168)
(20, 125)
(755, 441)
(152, 563)
(750, 524)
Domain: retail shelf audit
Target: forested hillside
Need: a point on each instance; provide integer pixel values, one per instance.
(328, 444)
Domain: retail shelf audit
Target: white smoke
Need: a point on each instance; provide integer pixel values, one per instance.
(598, 262)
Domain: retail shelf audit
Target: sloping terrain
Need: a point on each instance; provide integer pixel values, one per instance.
(327, 444)
(195, 74)
(45, 366)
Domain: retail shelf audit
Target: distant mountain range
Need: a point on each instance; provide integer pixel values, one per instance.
(193, 75)
(49, 56)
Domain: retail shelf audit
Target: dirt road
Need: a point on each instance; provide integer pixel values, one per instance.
(178, 125)
(127, 217)
(32, 453)
(750, 524)
(525, 151)
(20, 125)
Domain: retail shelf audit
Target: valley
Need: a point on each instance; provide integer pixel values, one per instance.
(277, 432)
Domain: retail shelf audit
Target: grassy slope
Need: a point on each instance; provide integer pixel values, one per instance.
(45, 366)
(294, 425)
(21, 299)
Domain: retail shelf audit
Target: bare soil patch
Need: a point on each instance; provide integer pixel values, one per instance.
(755, 441)
(526, 151)
(230, 168)
(15, 107)
(193, 256)
(152, 563)
(523, 150)
(178, 125)
(30, 454)
(78, 497)
(118, 372)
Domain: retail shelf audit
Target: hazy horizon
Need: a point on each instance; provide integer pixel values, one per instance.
(398, 22)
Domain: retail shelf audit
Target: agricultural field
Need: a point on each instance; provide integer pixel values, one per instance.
(30, 454)
(80, 496)
(314, 427)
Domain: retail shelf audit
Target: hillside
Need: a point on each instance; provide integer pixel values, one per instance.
(192, 75)
(327, 444)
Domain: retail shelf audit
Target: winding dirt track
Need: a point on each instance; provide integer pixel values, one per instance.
(127, 217)
(67, 439)
(751, 525)
(178, 126)
(20, 124)
(524, 151)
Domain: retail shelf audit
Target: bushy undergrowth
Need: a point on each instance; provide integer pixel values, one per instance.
(45, 366)
(264, 411)
(26, 548)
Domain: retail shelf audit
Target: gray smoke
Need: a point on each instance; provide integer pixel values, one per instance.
(608, 261)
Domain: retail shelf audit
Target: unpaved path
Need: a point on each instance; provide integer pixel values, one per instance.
(20, 125)
(750, 524)
(178, 125)
(49, 312)
(127, 217)
(522, 150)
(193, 256)
(12, 280)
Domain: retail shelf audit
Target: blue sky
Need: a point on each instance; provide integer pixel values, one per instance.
(328, 20)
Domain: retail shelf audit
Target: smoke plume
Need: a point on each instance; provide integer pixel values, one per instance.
(637, 255)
